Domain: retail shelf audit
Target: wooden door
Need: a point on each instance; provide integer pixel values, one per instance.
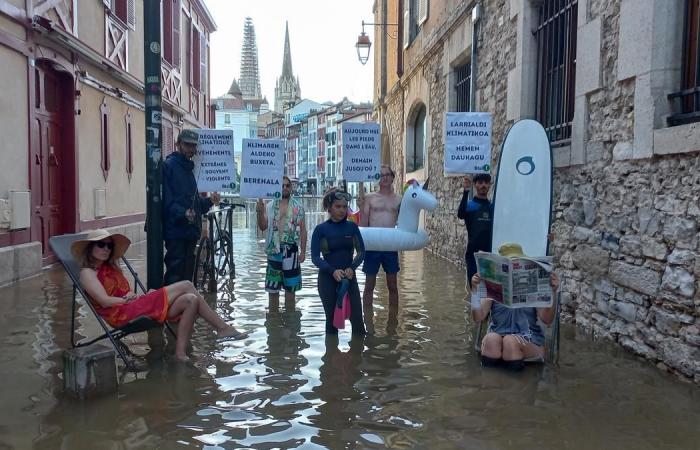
(52, 161)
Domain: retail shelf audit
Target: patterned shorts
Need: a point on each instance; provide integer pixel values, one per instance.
(283, 270)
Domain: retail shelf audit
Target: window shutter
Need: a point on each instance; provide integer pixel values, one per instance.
(422, 11)
(406, 23)
(196, 72)
(203, 62)
(107, 3)
(131, 14)
(190, 52)
(167, 31)
(176, 33)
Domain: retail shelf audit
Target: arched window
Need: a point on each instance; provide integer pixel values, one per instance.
(415, 148)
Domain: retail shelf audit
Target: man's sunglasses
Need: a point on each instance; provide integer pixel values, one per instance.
(100, 244)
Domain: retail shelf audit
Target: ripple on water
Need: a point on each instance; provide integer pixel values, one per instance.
(413, 383)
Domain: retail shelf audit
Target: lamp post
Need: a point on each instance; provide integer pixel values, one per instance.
(364, 44)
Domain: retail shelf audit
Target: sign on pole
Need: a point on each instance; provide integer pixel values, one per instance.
(467, 142)
(361, 151)
(262, 168)
(214, 166)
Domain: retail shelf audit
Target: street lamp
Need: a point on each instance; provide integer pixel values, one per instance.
(364, 44)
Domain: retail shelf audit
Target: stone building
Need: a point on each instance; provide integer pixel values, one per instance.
(615, 83)
(71, 99)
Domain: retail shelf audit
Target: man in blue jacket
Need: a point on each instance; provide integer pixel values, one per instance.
(182, 209)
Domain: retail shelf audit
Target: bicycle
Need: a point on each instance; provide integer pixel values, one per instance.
(214, 252)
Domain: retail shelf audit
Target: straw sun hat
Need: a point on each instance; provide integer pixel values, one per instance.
(121, 243)
(510, 250)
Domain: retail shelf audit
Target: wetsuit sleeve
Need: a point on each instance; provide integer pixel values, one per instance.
(316, 258)
(462, 209)
(359, 245)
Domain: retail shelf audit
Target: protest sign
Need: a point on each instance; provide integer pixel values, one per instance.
(467, 142)
(214, 166)
(361, 151)
(262, 168)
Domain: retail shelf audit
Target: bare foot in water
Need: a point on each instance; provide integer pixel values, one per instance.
(231, 333)
(182, 358)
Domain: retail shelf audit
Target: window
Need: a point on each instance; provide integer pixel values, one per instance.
(415, 12)
(416, 141)
(196, 56)
(687, 108)
(171, 32)
(227, 119)
(556, 67)
(124, 10)
(463, 79)
(104, 144)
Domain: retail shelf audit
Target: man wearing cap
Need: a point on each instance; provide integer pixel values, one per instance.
(182, 209)
(477, 214)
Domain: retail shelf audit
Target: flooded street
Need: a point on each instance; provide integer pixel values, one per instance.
(415, 382)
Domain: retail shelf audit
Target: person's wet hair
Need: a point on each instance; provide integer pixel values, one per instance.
(332, 195)
(482, 177)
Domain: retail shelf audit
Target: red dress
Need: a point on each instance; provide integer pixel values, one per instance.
(153, 304)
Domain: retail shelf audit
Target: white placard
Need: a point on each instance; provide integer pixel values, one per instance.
(361, 151)
(262, 168)
(467, 142)
(214, 166)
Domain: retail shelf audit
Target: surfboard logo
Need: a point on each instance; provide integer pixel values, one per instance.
(525, 165)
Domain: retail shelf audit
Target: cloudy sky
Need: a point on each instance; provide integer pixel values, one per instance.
(322, 35)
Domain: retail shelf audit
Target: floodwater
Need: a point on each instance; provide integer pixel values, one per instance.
(414, 383)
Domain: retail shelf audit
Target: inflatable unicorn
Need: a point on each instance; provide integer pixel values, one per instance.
(406, 235)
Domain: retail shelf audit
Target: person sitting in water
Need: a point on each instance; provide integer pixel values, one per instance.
(111, 295)
(333, 244)
(514, 334)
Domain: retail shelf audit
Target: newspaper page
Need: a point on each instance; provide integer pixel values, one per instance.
(516, 282)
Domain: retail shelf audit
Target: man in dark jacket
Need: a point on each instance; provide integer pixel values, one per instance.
(477, 214)
(182, 209)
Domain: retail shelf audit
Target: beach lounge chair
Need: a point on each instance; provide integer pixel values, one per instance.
(61, 246)
(551, 337)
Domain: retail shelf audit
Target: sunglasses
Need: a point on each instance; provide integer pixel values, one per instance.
(109, 245)
(339, 195)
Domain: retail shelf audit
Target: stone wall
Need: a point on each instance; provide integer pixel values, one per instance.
(626, 230)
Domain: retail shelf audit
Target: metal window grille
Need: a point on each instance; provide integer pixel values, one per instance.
(463, 79)
(687, 100)
(556, 67)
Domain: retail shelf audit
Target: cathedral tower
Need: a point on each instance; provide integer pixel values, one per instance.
(287, 89)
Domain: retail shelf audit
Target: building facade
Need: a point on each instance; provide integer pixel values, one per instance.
(614, 83)
(72, 104)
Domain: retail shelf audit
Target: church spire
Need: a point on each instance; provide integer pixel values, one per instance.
(249, 79)
(287, 91)
(287, 59)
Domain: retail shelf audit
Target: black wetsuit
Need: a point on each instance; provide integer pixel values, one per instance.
(477, 214)
(332, 248)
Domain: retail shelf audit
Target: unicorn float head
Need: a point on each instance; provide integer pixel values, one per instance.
(406, 235)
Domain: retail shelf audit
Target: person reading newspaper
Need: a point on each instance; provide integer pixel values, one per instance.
(514, 334)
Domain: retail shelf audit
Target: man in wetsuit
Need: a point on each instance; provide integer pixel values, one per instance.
(477, 214)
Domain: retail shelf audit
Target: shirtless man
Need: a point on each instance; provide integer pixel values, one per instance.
(381, 209)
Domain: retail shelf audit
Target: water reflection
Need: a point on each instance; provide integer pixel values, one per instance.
(413, 382)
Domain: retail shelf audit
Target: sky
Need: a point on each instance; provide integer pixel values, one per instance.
(322, 35)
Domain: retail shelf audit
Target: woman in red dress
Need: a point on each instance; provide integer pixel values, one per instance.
(110, 293)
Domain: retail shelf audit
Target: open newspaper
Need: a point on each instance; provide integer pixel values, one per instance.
(516, 282)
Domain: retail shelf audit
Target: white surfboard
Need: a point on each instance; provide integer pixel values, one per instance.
(523, 191)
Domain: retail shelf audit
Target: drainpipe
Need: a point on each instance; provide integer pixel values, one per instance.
(476, 16)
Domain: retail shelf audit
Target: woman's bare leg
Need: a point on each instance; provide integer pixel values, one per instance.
(222, 328)
(184, 306)
(492, 346)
